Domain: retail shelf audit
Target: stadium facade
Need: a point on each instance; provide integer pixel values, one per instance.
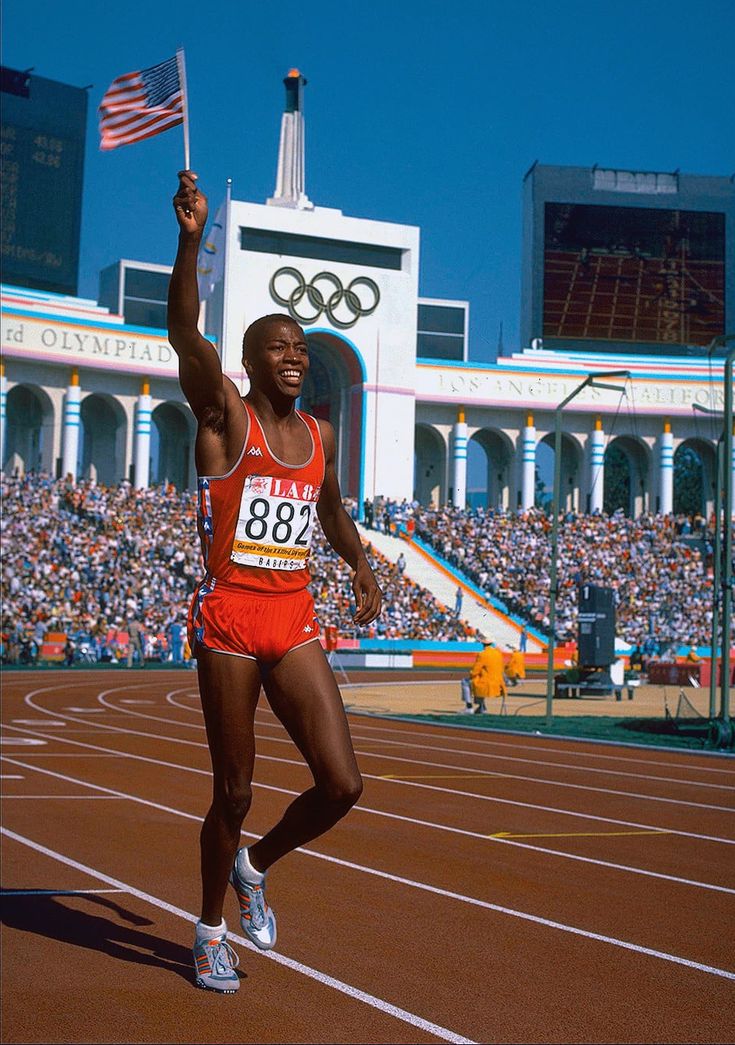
(90, 388)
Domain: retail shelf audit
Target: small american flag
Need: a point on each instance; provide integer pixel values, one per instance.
(141, 104)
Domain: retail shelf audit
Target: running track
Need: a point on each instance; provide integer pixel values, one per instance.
(487, 888)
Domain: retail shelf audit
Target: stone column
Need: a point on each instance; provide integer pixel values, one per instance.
(142, 448)
(597, 467)
(70, 432)
(528, 476)
(459, 461)
(3, 412)
(666, 481)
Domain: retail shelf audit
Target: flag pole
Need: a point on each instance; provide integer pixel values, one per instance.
(226, 274)
(181, 64)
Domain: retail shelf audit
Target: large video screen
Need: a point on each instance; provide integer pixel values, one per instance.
(633, 274)
(42, 149)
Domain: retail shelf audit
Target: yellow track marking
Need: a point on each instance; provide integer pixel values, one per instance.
(579, 834)
(437, 776)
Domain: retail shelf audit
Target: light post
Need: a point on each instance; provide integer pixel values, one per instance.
(590, 380)
(716, 570)
(722, 557)
(727, 543)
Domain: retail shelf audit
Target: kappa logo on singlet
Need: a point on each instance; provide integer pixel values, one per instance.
(255, 451)
(308, 629)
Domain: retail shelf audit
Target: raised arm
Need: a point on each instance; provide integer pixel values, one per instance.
(342, 534)
(200, 372)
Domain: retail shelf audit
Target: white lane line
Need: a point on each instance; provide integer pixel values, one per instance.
(425, 887)
(264, 711)
(481, 836)
(490, 773)
(37, 722)
(280, 959)
(553, 765)
(26, 741)
(506, 743)
(514, 743)
(100, 732)
(86, 711)
(530, 761)
(66, 798)
(11, 776)
(129, 701)
(57, 892)
(274, 723)
(427, 787)
(381, 729)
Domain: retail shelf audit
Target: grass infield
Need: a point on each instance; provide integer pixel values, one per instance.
(652, 732)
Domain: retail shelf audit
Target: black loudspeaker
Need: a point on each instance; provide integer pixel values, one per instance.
(596, 627)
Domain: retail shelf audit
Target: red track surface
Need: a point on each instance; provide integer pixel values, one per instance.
(604, 911)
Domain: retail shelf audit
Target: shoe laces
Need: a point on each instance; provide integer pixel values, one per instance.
(224, 959)
(258, 906)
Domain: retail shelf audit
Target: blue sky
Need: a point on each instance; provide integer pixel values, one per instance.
(419, 112)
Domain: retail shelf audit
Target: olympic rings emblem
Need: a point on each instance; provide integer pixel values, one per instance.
(320, 303)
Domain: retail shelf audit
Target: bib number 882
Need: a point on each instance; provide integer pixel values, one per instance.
(281, 525)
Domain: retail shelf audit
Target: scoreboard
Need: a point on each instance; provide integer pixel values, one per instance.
(633, 274)
(42, 138)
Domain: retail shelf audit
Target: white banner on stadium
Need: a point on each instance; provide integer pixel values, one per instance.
(496, 386)
(87, 345)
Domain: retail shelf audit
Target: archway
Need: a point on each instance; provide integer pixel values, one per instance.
(694, 478)
(30, 426)
(333, 390)
(171, 445)
(101, 454)
(429, 466)
(492, 450)
(571, 460)
(626, 476)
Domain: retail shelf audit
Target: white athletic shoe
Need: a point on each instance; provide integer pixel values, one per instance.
(256, 918)
(214, 965)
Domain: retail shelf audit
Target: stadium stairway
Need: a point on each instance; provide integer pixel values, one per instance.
(424, 569)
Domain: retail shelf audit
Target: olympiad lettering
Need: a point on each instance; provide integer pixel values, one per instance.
(34, 336)
(112, 347)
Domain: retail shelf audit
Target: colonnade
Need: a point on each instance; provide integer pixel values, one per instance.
(72, 423)
(661, 447)
(104, 432)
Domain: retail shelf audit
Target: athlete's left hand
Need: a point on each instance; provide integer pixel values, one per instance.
(368, 596)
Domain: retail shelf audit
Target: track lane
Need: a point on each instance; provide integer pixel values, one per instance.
(546, 888)
(385, 842)
(469, 759)
(481, 775)
(706, 856)
(509, 947)
(444, 790)
(144, 930)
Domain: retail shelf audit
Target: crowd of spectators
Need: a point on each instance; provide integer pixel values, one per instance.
(87, 561)
(662, 583)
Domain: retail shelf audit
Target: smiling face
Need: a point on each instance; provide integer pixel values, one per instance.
(276, 356)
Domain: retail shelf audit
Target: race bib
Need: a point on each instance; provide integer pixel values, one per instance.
(275, 524)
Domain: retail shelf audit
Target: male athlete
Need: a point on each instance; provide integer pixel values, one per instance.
(265, 471)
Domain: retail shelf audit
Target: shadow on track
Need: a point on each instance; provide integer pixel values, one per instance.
(61, 916)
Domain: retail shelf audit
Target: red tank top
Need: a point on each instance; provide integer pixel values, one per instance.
(256, 522)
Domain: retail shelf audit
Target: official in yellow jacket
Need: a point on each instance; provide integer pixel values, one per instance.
(486, 674)
(516, 667)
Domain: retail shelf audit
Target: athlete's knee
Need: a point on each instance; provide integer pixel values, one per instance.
(233, 798)
(343, 791)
